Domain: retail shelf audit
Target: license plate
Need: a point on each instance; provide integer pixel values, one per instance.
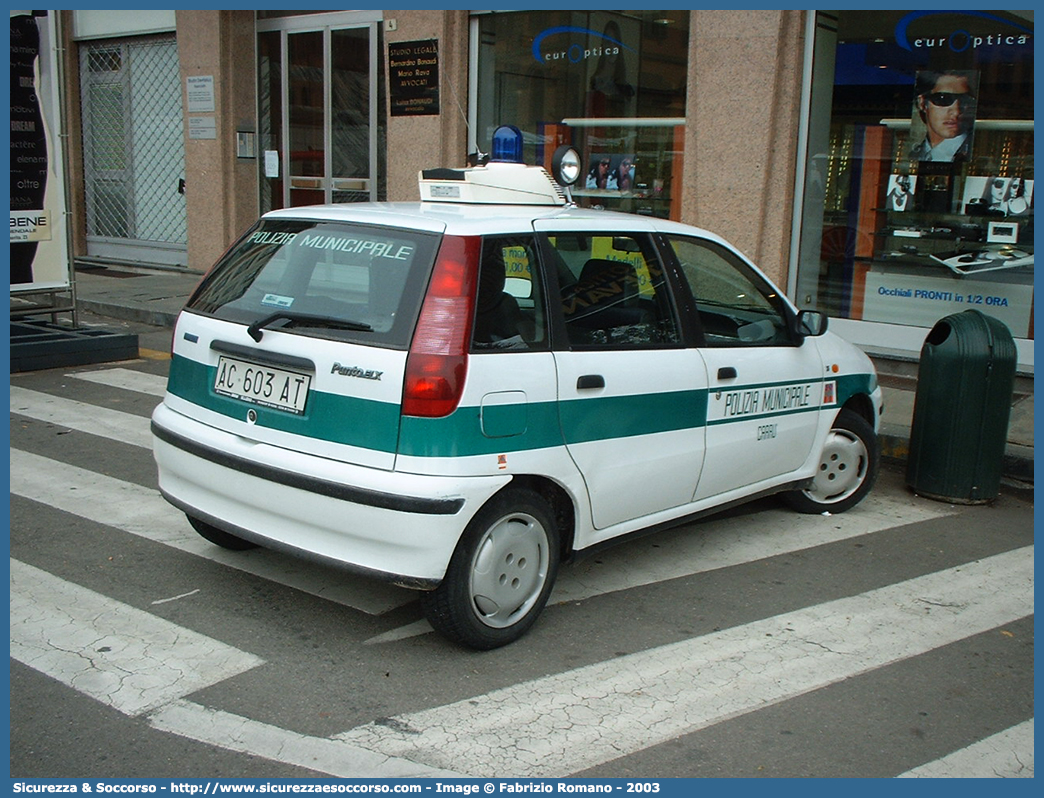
(262, 385)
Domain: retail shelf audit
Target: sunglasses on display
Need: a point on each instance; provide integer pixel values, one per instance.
(944, 99)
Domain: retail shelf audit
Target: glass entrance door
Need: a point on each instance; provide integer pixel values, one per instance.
(320, 126)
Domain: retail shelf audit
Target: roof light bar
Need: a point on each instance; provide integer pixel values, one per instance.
(507, 145)
(505, 179)
(493, 184)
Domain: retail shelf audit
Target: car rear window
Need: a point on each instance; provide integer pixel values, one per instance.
(333, 280)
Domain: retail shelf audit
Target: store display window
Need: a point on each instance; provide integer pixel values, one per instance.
(918, 198)
(611, 84)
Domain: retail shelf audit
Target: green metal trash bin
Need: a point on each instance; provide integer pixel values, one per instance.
(965, 383)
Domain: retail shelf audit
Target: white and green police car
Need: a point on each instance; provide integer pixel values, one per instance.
(457, 395)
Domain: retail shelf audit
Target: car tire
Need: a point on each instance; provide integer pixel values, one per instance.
(847, 468)
(500, 575)
(219, 537)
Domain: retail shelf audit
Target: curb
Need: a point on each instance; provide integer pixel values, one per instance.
(1017, 462)
(157, 318)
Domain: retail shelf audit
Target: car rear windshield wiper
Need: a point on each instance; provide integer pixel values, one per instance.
(306, 320)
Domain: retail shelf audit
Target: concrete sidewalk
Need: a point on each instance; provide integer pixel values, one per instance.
(154, 297)
(147, 296)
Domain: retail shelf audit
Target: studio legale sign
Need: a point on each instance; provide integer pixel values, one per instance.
(413, 71)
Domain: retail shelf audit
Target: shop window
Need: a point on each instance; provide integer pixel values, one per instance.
(611, 84)
(919, 194)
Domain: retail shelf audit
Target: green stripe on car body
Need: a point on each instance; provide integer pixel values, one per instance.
(578, 420)
(602, 418)
(328, 417)
(378, 426)
(849, 385)
(460, 433)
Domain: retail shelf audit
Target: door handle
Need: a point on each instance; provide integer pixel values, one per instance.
(727, 373)
(589, 381)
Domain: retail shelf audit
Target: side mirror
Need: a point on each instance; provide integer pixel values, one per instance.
(811, 322)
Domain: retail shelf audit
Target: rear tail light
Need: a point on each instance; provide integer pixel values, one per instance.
(438, 359)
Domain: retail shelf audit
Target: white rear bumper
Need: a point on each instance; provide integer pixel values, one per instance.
(399, 527)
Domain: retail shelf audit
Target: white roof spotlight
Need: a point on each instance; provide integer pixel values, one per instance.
(505, 179)
(566, 168)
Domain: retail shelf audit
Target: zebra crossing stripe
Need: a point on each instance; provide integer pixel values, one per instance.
(567, 722)
(83, 417)
(140, 664)
(727, 541)
(1007, 755)
(117, 654)
(125, 379)
(715, 543)
(236, 733)
(143, 512)
(87, 641)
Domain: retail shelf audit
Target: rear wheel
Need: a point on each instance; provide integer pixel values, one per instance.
(847, 468)
(219, 537)
(500, 575)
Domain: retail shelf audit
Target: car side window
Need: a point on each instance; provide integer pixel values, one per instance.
(614, 292)
(736, 306)
(509, 310)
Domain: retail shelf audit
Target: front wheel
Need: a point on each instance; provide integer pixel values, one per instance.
(500, 575)
(847, 468)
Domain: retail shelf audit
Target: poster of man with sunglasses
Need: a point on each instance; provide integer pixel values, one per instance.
(943, 115)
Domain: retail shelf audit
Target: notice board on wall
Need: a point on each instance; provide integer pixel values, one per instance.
(413, 71)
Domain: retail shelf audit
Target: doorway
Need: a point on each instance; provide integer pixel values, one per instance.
(134, 153)
(321, 126)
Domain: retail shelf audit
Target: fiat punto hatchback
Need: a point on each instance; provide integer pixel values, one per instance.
(457, 395)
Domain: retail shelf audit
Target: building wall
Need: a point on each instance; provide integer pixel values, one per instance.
(742, 119)
(744, 86)
(221, 189)
(422, 142)
(72, 126)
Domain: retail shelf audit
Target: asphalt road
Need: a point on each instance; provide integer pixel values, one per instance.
(896, 639)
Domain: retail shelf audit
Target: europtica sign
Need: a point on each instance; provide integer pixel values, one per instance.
(999, 31)
(560, 44)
